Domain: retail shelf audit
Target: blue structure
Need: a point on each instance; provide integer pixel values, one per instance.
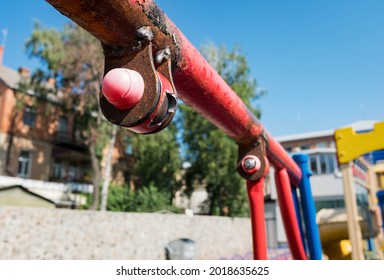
(380, 196)
(298, 216)
(308, 208)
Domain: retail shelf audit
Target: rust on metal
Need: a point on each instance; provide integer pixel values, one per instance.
(147, 104)
(258, 150)
(115, 23)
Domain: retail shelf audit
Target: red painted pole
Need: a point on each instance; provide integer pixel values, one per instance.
(114, 23)
(288, 214)
(256, 201)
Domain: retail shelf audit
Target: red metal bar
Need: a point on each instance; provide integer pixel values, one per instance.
(114, 23)
(289, 215)
(256, 201)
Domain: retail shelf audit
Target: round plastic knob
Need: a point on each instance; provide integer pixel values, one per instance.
(123, 88)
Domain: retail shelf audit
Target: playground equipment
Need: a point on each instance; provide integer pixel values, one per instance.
(350, 146)
(333, 230)
(136, 35)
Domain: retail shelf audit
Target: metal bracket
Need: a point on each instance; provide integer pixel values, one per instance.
(159, 102)
(252, 163)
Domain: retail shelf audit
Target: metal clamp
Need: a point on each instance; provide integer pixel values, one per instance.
(252, 162)
(158, 104)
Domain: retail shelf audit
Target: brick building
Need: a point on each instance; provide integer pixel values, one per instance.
(40, 144)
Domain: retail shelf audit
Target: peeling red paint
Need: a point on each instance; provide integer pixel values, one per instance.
(114, 23)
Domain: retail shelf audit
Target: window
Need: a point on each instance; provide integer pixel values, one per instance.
(73, 172)
(322, 163)
(313, 164)
(304, 147)
(25, 160)
(332, 203)
(322, 145)
(288, 149)
(57, 170)
(29, 116)
(331, 163)
(63, 124)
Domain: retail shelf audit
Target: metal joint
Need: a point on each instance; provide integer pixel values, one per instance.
(159, 102)
(252, 162)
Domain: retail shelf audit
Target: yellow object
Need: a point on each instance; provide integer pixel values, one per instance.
(379, 170)
(351, 145)
(339, 250)
(381, 181)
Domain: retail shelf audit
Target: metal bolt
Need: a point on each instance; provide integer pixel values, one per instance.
(145, 32)
(249, 163)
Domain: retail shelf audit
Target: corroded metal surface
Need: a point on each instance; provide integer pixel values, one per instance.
(147, 104)
(115, 24)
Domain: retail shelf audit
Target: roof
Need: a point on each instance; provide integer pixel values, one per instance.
(26, 191)
(9, 76)
(362, 125)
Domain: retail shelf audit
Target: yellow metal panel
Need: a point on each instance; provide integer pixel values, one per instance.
(379, 168)
(351, 145)
(381, 181)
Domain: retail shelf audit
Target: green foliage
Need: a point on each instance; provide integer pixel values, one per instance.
(211, 153)
(158, 160)
(48, 46)
(120, 198)
(75, 59)
(147, 199)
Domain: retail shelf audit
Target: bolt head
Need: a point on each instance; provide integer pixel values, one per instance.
(249, 163)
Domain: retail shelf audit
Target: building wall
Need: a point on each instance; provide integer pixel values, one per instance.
(3, 151)
(311, 143)
(32, 233)
(327, 185)
(41, 157)
(7, 103)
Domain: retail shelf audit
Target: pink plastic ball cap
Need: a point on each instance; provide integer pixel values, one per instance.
(123, 88)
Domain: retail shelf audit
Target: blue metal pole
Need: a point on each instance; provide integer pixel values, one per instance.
(298, 216)
(380, 197)
(308, 207)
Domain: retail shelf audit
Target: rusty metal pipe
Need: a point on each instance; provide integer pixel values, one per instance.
(114, 23)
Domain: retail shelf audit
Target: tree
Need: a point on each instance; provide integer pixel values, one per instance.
(146, 199)
(75, 60)
(158, 160)
(211, 153)
(108, 167)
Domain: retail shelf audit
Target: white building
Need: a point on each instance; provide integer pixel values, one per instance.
(326, 181)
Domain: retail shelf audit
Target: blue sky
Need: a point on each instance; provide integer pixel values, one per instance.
(321, 61)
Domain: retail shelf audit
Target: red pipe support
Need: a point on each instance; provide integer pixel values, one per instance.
(114, 23)
(256, 202)
(288, 214)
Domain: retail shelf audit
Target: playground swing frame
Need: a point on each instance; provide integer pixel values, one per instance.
(118, 24)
